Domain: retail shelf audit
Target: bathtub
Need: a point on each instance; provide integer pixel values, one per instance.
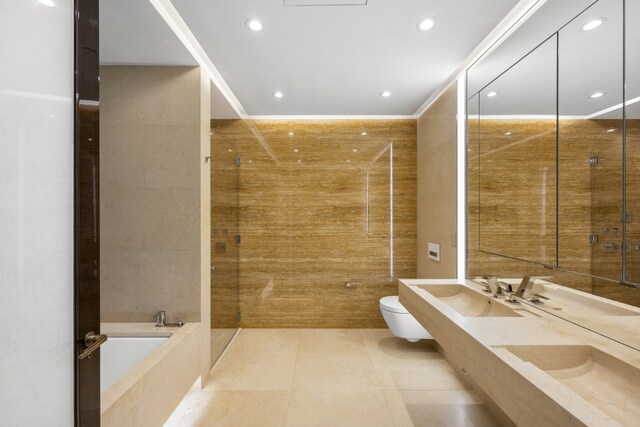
(120, 354)
(146, 371)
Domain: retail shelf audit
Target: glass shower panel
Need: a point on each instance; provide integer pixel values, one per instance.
(590, 143)
(225, 241)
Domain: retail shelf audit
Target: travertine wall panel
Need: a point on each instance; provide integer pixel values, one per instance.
(314, 214)
(437, 187)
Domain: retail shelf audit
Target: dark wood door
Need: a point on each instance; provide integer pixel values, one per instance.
(87, 214)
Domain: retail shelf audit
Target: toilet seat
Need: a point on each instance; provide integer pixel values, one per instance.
(393, 305)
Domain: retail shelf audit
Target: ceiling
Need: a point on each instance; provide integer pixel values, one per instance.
(336, 60)
(332, 59)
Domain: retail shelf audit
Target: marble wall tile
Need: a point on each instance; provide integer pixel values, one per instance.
(150, 193)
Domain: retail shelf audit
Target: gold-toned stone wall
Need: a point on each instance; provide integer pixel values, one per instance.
(315, 213)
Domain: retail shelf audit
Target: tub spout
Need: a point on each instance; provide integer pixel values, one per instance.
(160, 319)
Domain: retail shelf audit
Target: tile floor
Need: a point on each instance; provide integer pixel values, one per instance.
(330, 377)
(220, 337)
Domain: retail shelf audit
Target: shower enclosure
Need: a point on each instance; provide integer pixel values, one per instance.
(225, 241)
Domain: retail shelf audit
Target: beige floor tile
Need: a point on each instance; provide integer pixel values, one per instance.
(338, 407)
(327, 372)
(232, 408)
(437, 408)
(383, 345)
(432, 375)
(331, 341)
(256, 361)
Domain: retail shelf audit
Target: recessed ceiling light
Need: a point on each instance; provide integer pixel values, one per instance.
(210, 133)
(49, 3)
(426, 24)
(492, 94)
(299, 161)
(354, 150)
(507, 133)
(296, 150)
(348, 161)
(595, 95)
(250, 161)
(291, 134)
(278, 94)
(385, 94)
(254, 25)
(611, 130)
(363, 134)
(592, 25)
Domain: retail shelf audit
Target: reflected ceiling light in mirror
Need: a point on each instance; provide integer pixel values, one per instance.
(363, 134)
(49, 3)
(296, 151)
(507, 133)
(229, 150)
(593, 24)
(348, 161)
(278, 94)
(596, 95)
(492, 94)
(299, 161)
(355, 150)
(291, 133)
(254, 25)
(426, 24)
(385, 94)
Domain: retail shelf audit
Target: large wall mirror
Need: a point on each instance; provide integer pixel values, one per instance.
(553, 161)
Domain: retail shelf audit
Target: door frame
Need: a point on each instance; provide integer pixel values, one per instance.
(86, 222)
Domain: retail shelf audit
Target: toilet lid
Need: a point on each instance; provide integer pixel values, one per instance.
(392, 304)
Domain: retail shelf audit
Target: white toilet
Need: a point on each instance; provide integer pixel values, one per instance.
(401, 323)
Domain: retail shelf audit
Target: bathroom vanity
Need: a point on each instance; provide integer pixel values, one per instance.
(531, 367)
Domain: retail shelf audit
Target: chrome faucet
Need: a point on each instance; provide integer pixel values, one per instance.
(160, 317)
(487, 289)
(491, 285)
(525, 287)
(494, 286)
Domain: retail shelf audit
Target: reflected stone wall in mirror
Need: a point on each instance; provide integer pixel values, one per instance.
(590, 142)
(473, 159)
(632, 193)
(517, 160)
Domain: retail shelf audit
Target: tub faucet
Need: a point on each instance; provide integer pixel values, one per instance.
(160, 319)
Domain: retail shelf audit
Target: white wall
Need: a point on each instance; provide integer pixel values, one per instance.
(36, 213)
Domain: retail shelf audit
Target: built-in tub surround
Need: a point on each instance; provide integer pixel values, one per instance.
(492, 354)
(150, 193)
(322, 204)
(148, 392)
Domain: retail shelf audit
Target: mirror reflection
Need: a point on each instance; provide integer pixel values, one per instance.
(553, 164)
(517, 159)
